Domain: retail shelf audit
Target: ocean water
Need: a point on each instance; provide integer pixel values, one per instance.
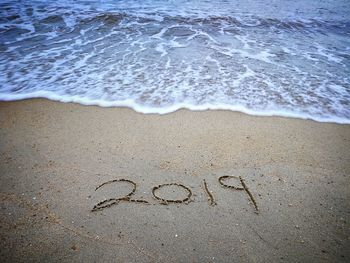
(261, 57)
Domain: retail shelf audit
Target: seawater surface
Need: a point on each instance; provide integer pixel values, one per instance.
(280, 57)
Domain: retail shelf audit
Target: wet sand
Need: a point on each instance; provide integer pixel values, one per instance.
(54, 155)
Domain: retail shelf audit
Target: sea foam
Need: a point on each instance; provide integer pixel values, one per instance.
(160, 56)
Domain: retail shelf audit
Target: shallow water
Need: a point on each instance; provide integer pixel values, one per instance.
(287, 58)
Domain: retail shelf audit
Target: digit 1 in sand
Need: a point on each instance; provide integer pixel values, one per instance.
(210, 196)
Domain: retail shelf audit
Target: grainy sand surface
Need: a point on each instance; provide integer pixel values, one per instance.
(53, 156)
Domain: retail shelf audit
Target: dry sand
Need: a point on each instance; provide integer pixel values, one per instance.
(53, 156)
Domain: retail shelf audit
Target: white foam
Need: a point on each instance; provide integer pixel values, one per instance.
(160, 48)
(130, 103)
(160, 34)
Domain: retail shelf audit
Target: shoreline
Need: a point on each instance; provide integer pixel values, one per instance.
(54, 155)
(131, 104)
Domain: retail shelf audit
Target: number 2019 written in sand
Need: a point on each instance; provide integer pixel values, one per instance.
(128, 197)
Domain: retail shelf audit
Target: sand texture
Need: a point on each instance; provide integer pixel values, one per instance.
(54, 155)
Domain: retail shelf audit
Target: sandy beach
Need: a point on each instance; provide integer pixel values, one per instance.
(53, 156)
